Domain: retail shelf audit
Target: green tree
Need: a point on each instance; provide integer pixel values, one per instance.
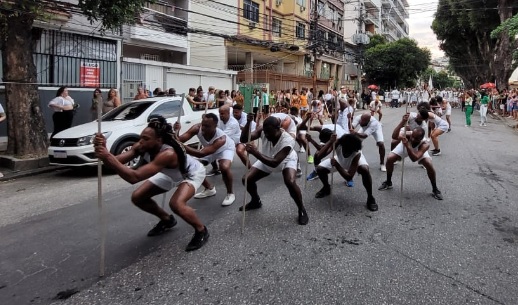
(25, 124)
(395, 64)
(464, 28)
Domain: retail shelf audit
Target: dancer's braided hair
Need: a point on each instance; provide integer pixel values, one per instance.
(165, 131)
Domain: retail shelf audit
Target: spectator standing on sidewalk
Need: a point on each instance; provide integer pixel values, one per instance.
(484, 101)
(468, 104)
(63, 106)
(2, 118)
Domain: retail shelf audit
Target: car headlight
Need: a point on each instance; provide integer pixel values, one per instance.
(89, 140)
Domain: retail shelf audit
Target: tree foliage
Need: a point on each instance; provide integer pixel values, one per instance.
(25, 124)
(464, 29)
(395, 64)
(440, 79)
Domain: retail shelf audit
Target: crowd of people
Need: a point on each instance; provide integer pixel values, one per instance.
(278, 123)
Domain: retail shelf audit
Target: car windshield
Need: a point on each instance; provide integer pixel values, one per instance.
(128, 111)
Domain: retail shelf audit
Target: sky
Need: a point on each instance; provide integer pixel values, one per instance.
(421, 16)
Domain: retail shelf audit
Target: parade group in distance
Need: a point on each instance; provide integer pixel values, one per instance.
(272, 140)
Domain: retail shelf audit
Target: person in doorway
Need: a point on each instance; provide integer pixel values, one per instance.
(277, 154)
(168, 166)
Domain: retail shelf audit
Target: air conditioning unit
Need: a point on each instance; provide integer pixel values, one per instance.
(251, 25)
(302, 8)
(278, 2)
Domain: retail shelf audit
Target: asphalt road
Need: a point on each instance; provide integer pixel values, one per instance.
(461, 250)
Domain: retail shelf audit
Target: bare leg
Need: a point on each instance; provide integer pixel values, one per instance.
(290, 179)
(427, 163)
(435, 137)
(142, 198)
(381, 149)
(178, 204)
(253, 176)
(224, 166)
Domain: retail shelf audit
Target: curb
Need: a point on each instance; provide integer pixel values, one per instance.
(10, 175)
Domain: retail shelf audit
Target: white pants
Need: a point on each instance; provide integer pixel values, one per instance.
(483, 113)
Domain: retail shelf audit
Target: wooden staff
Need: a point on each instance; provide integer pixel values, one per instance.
(247, 171)
(403, 163)
(335, 114)
(102, 215)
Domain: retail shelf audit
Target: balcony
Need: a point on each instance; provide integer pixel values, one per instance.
(372, 19)
(158, 27)
(372, 4)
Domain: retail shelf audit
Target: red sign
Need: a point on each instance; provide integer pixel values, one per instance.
(90, 74)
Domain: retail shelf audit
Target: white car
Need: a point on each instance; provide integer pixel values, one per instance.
(121, 127)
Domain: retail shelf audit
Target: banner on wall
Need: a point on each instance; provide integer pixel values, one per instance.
(90, 74)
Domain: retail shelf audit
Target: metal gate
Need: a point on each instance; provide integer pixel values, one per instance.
(133, 76)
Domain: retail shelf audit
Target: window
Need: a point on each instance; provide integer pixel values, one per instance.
(321, 8)
(331, 14)
(300, 30)
(251, 10)
(168, 110)
(339, 22)
(301, 3)
(276, 27)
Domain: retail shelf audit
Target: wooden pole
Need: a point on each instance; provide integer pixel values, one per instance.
(403, 164)
(102, 216)
(332, 156)
(246, 175)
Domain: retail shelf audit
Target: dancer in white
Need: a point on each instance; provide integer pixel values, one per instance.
(370, 126)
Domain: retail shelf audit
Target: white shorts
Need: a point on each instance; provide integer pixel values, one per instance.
(227, 154)
(327, 163)
(289, 162)
(448, 110)
(166, 183)
(400, 150)
(444, 126)
(304, 108)
(378, 134)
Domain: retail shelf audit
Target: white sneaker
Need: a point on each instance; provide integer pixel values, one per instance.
(484, 124)
(206, 193)
(428, 139)
(383, 168)
(1, 175)
(396, 162)
(302, 150)
(229, 199)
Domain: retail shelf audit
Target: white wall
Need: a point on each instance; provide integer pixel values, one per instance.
(210, 51)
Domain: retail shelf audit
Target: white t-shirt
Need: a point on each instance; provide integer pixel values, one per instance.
(328, 97)
(282, 116)
(231, 128)
(339, 130)
(242, 121)
(342, 119)
(270, 150)
(371, 128)
(395, 94)
(61, 101)
(413, 124)
(374, 106)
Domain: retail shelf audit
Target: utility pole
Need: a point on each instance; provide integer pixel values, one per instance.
(314, 37)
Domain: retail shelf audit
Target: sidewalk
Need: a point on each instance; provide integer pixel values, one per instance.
(8, 174)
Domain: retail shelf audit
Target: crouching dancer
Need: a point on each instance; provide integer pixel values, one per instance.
(348, 160)
(167, 166)
(277, 154)
(414, 146)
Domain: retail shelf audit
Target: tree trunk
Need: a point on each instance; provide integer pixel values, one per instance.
(504, 48)
(27, 137)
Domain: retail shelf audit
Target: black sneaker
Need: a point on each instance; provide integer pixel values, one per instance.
(162, 226)
(213, 172)
(436, 152)
(325, 191)
(371, 204)
(252, 205)
(198, 240)
(303, 218)
(437, 194)
(299, 173)
(385, 186)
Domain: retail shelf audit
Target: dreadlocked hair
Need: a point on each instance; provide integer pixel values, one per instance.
(165, 131)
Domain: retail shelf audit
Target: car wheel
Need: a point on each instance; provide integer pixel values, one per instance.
(124, 147)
